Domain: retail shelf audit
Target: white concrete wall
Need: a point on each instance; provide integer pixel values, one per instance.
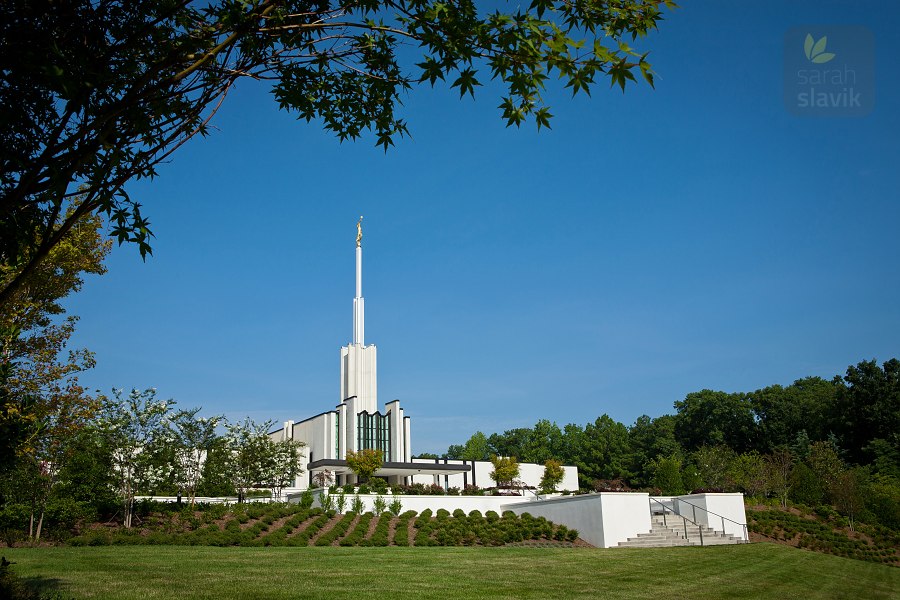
(711, 508)
(529, 473)
(603, 519)
(435, 503)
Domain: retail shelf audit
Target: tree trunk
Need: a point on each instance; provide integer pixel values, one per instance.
(129, 508)
(37, 537)
(31, 526)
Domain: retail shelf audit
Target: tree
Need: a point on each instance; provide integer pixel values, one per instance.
(39, 392)
(825, 462)
(749, 474)
(506, 470)
(552, 477)
(847, 492)
(135, 428)
(476, 448)
(365, 463)
(283, 465)
(648, 439)
(98, 93)
(709, 418)
(605, 450)
(192, 441)
(249, 449)
(783, 412)
(667, 475)
(215, 478)
(867, 407)
(779, 468)
(714, 465)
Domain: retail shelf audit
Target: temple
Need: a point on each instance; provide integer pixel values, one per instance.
(356, 423)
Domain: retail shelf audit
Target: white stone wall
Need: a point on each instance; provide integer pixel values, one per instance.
(435, 503)
(603, 519)
(717, 511)
(529, 474)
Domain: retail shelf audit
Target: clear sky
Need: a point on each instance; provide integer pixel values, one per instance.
(651, 244)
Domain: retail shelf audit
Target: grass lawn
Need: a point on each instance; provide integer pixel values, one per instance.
(745, 571)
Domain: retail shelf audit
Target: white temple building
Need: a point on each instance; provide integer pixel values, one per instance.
(356, 423)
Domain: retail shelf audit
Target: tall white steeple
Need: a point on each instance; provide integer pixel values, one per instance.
(359, 303)
(358, 361)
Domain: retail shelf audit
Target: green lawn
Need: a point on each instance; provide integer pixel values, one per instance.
(745, 571)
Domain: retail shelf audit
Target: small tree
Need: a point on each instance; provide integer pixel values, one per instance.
(847, 493)
(779, 468)
(365, 463)
(134, 427)
(249, 447)
(667, 475)
(193, 438)
(552, 477)
(506, 470)
(282, 464)
(323, 478)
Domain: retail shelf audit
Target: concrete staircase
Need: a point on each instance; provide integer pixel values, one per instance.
(671, 532)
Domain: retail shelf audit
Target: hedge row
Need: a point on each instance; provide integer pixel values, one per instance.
(431, 529)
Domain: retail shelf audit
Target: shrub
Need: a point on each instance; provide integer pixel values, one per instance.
(339, 529)
(379, 505)
(395, 506)
(340, 502)
(380, 535)
(356, 536)
(357, 506)
(306, 499)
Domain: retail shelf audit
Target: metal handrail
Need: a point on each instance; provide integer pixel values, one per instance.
(684, 520)
(695, 507)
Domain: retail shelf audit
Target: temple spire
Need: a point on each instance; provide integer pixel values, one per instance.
(358, 301)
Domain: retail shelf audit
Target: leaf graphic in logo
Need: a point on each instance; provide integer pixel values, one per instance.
(815, 51)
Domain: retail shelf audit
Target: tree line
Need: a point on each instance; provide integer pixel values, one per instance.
(814, 441)
(135, 444)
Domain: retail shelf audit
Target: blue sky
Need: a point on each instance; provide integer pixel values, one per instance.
(651, 244)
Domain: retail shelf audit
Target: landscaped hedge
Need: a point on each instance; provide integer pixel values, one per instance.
(294, 525)
(822, 536)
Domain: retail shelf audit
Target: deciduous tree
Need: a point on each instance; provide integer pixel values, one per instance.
(135, 427)
(193, 438)
(365, 463)
(506, 470)
(98, 93)
(552, 477)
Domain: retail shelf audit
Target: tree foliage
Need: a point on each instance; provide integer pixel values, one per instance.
(98, 93)
(506, 470)
(552, 477)
(136, 430)
(41, 400)
(365, 463)
(814, 441)
(193, 439)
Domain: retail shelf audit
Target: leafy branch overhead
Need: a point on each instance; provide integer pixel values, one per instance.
(96, 94)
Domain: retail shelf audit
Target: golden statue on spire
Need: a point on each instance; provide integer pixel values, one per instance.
(359, 232)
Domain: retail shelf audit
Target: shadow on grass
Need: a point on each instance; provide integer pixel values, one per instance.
(33, 588)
